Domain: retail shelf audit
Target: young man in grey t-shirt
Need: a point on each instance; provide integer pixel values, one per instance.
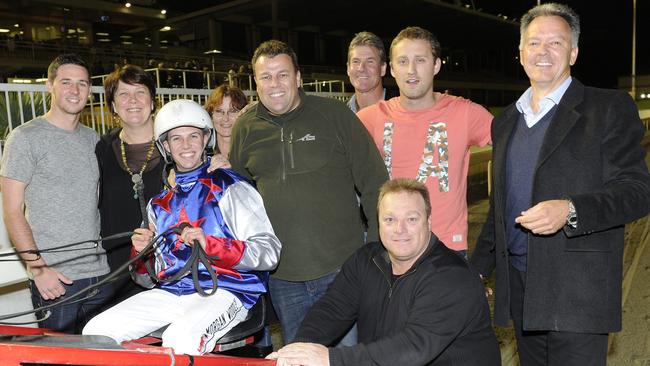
(49, 168)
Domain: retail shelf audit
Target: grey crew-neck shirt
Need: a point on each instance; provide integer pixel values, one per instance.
(60, 170)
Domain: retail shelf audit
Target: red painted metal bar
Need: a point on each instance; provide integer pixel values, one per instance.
(17, 353)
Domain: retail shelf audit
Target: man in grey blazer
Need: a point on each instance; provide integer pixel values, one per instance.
(569, 172)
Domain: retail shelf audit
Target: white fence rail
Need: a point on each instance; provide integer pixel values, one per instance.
(20, 103)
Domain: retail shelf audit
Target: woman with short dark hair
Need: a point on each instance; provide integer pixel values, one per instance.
(127, 157)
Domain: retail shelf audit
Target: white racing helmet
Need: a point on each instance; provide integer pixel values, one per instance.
(181, 113)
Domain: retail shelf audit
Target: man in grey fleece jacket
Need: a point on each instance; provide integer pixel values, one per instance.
(309, 157)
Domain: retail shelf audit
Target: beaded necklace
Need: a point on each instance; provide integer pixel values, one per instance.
(136, 178)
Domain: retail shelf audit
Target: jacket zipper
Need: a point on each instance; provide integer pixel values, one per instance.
(388, 278)
(291, 150)
(390, 291)
(284, 168)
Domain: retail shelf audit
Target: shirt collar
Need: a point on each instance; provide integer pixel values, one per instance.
(548, 102)
(352, 103)
(523, 103)
(186, 180)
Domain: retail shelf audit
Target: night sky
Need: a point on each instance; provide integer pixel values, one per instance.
(605, 40)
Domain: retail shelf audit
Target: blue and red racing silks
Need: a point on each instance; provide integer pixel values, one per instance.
(231, 213)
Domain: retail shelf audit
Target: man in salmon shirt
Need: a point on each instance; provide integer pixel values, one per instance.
(426, 135)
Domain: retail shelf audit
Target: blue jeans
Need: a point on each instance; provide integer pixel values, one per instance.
(71, 318)
(265, 338)
(292, 300)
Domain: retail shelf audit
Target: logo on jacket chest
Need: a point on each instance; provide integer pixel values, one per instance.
(307, 137)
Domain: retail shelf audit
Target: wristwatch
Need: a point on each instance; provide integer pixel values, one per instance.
(572, 217)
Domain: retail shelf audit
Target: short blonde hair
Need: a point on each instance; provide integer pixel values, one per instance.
(414, 33)
(407, 185)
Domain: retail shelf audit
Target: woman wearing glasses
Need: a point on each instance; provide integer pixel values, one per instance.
(223, 106)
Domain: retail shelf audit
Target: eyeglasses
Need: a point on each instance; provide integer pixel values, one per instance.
(220, 113)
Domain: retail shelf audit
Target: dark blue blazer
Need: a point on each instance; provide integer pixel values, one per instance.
(591, 154)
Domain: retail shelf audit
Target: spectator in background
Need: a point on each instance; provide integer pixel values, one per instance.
(163, 75)
(152, 64)
(224, 105)
(243, 78)
(366, 68)
(232, 76)
(193, 77)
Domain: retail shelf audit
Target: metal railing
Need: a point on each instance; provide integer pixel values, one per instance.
(98, 116)
(189, 79)
(204, 79)
(20, 103)
(102, 57)
(330, 86)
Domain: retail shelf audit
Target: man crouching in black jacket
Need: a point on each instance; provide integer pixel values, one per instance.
(415, 301)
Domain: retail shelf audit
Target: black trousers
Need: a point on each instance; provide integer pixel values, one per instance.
(551, 348)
